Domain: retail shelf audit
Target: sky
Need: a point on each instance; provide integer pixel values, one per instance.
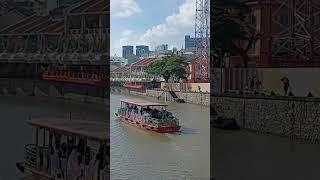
(150, 22)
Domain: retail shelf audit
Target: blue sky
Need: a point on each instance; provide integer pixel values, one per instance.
(150, 22)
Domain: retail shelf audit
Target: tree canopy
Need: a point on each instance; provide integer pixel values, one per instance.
(169, 67)
(230, 26)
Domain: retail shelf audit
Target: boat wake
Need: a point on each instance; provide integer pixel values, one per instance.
(187, 131)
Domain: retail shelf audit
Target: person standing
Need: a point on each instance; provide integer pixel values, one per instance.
(286, 85)
(252, 83)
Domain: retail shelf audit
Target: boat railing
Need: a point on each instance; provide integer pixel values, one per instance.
(31, 157)
(34, 155)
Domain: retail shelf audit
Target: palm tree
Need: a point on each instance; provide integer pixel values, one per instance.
(231, 30)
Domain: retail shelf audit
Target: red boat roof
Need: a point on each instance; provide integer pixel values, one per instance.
(87, 129)
(141, 103)
(35, 24)
(90, 6)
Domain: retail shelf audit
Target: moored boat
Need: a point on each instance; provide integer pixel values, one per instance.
(133, 86)
(67, 149)
(148, 116)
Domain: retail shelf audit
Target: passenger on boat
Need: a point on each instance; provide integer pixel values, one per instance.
(54, 158)
(142, 110)
(128, 113)
(162, 113)
(148, 110)
(146, 116)
(135, 108)
(59, 177)
(63, 159)
(75, 171)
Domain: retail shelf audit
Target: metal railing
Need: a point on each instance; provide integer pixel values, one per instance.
(35, 157)
(31, 157)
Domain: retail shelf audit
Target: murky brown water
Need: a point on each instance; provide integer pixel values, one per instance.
(140, 155)
(242, 155)
(15, 133)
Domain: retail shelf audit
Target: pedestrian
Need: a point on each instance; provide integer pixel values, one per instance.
(259, 85)
(286, 85)
(252, 84)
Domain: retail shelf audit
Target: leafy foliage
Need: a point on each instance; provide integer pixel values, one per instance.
(230, 26)
(169, 67)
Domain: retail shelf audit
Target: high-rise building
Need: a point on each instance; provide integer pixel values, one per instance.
(127, 51)
(190, 42)
(142, 50)
(174, 50)
(162, 48)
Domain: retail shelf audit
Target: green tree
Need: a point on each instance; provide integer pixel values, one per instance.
(230, 26)
(169, 66)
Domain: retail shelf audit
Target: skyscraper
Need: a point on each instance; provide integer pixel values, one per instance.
(162, 48)
(142, 50)
(190, 42)
(127, 51)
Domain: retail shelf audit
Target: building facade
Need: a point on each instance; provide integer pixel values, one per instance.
(78, 43)
(189, 43)
(127, 51)
(142, 51)
(162, 47)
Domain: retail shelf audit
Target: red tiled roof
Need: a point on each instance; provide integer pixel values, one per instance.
(145, 61)
(90, 6)
(122, 69)
(35, 24)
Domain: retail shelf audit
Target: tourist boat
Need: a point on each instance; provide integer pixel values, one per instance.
(147, 115)
(73, 77)
(68, 149)
(133, 86)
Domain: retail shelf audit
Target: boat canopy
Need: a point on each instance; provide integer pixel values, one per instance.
(141, 103)
(86, 129)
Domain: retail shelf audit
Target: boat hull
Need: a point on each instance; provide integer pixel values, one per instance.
(148, 127)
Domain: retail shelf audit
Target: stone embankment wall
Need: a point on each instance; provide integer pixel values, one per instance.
(81, 93)
(297, 117)
(189, 97)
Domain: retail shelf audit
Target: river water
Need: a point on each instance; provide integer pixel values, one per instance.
(242, 155)
(15, 133)
(140, 155)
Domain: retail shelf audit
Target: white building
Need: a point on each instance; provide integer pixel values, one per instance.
(118, 61)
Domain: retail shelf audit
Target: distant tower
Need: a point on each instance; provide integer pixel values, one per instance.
(202, 31)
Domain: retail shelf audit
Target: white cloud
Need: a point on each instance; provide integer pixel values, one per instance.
(124, 8)
(175, 26)
(186, 15)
